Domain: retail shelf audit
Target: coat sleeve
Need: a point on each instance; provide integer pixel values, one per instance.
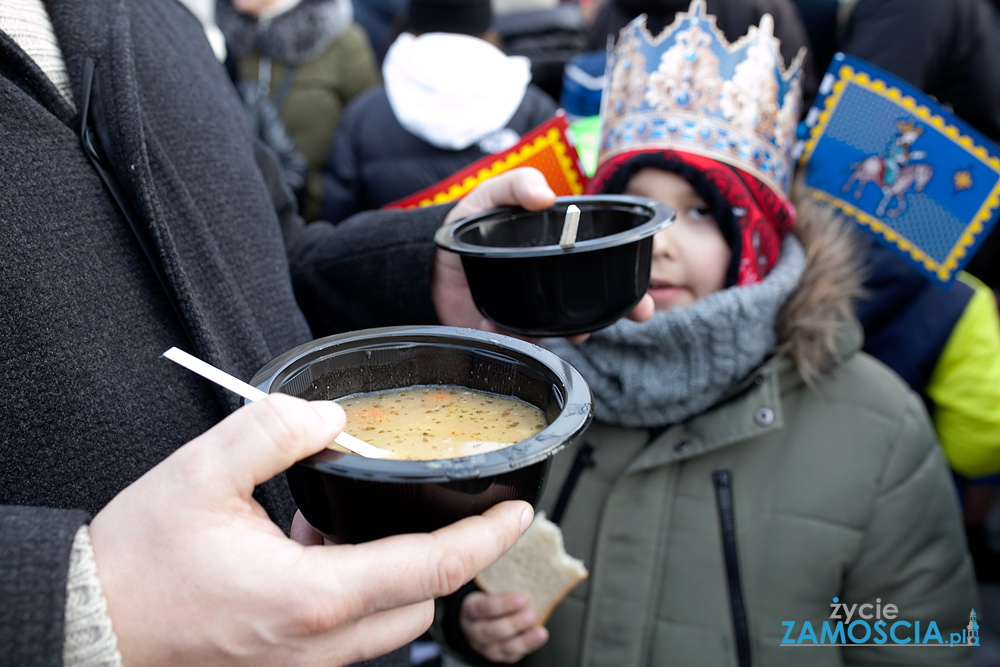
(965, 387)
(370, 271)
(35, 546)
(913, 552)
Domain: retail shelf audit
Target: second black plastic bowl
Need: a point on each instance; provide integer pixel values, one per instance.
(355, 499)
(524, 281)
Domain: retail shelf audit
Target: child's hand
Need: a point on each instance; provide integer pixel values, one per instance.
(500, 627)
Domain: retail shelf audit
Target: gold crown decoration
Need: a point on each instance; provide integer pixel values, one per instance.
(907, 126)
(690, 90)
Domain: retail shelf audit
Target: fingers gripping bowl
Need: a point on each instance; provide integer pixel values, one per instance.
(524, 280)
(357, 499)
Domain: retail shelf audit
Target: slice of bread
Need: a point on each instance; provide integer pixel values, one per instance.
(538, 567)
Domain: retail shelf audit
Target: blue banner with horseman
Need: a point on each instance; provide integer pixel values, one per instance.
(909, 171)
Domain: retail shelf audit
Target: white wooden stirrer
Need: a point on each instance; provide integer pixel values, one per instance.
(252, 393)
(570, 225)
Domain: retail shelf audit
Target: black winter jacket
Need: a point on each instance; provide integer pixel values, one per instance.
(375, 161)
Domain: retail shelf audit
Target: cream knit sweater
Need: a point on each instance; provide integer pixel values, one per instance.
(27, 23)
(88, 639)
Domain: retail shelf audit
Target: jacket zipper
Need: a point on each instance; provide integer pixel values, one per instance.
(724, 498)
(584, 459)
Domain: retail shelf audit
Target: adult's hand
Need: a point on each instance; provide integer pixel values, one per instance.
(500, 627)
(525, 187)
(194, 571)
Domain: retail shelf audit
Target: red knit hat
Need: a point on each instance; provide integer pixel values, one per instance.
(752, 217)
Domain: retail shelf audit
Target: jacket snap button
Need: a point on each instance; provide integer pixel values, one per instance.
(681, 446)
(763, 416)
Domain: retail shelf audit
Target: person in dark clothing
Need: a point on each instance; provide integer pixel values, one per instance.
(820, 18)
(139, 213)
(732, 18)
(449, 99)
(377, 17)
(948, 50)
(310, 58)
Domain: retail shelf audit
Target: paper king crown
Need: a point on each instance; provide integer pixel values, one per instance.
(690, 90)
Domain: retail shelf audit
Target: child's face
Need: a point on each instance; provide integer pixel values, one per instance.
(690, 258)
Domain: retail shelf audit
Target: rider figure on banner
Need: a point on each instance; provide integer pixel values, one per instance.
(890, 172)
(898, 154)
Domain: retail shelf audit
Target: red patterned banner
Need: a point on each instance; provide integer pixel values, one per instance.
(547, 148)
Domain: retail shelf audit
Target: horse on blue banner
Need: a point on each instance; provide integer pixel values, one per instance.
(916, 176)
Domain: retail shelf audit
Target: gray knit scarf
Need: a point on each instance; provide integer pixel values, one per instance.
(293, 37)
(684, 360)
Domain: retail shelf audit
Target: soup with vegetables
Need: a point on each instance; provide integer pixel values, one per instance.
(439, 422)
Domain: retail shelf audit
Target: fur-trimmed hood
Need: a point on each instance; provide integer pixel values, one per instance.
(812, 327)
(292, 37)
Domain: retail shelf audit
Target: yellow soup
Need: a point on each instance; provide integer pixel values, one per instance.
(439, 422)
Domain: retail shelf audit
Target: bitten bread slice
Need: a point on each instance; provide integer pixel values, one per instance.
(537, 567)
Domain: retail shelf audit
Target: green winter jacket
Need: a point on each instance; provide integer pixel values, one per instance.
(320, 86)
(837, 493)
(706, 539)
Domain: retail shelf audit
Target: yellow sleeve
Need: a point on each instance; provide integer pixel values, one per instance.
(965, 387)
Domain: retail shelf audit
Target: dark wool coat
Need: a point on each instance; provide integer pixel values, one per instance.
(88, 403)
(374, 161)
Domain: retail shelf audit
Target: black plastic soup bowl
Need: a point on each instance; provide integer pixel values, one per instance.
(523, 280)
(356, 499)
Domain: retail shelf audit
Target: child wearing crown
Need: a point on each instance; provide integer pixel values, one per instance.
(748, 463)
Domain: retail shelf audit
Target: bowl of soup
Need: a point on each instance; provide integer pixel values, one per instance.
(468, 419)
(525, 277)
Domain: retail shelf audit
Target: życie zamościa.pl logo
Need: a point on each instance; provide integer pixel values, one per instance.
(874, 625)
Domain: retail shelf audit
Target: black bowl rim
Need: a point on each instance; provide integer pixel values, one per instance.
(574, 417)
(663, 216)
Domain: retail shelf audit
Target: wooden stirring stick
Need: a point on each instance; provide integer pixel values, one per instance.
(570, 226)
(252, 393)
